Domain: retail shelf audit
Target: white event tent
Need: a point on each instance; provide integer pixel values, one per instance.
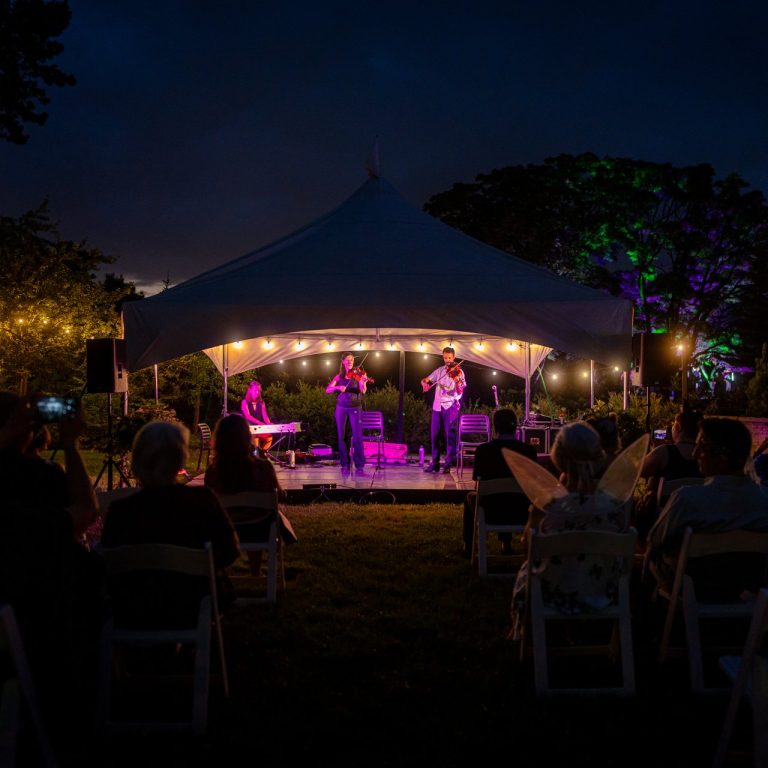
(378, 274)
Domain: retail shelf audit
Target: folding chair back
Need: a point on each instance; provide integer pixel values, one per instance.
(740, 671)
(204, 433)
(15, 689)
(256, 512)
(667, 487)
(140, 561)
(474, 429)
(577, 544)
(372, 425)
(516, 501)
(733, 545)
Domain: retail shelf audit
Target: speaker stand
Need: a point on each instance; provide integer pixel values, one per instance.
(109, 462)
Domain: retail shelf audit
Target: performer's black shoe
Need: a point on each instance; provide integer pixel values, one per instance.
(431, 468)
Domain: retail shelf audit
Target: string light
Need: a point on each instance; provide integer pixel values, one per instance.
(327, 362)
(479, 345)
(299, 344)
(303, 362)
(391, 345)
(238, 344)
(493, 373)
(268, 344)
(585, 374)
(359, 345)
(426, 356)
(554, 376)
(329, 345)
(378, 354)
(512, 347)
(421, 346)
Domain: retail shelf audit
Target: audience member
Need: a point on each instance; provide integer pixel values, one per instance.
(54, 585)
(610, 440)
(165, 512)
(235, 469)
(489, 464)
(670, 461)
(760, 462)
(580, 583)
(727, 500)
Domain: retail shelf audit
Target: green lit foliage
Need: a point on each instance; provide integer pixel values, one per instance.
(688, 250)
(50, 303)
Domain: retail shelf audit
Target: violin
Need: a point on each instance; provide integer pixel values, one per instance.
(454, 370)
(357, 374)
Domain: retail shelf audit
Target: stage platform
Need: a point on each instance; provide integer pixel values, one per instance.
(390, 483)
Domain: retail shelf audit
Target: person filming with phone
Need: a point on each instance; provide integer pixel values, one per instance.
(53, 583)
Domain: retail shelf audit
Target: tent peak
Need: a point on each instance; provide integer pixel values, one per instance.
(373, 163)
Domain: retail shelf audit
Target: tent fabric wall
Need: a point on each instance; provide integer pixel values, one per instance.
(377, 262)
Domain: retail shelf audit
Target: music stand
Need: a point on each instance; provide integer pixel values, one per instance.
(109, 462)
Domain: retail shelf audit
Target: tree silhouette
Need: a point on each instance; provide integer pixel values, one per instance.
(27, 46)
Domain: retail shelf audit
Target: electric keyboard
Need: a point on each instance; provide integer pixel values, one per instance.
(275, 429)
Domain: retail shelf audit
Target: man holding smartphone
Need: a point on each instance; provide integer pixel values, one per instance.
(52, 582)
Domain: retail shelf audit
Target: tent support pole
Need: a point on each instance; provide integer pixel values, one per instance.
(625, 377)
(527, 381)
(225, 372)
(591, 383)
(157, 393)
(401, 387)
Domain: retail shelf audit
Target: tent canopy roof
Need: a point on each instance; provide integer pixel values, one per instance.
(377, 262)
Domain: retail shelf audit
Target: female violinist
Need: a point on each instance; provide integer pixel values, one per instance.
(350, 383)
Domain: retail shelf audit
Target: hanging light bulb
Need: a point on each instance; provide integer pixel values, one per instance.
(268, 344)
(512, 347)
(299, 344)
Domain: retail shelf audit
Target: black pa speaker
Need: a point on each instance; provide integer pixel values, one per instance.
(655, 359)
(105, 365)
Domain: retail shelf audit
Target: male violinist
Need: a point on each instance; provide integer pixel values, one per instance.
(449, 383)
(255, 412)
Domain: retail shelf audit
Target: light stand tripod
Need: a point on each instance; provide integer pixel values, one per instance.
(109, 462)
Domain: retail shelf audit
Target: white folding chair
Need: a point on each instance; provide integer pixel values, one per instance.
(206, 439)
(150, 559)
(576, 544)
(694, 609)
(258, 508)
(740, 670)
(666, 487)
(474, 429)
(16, 689)
(506, 486)
(372, 425)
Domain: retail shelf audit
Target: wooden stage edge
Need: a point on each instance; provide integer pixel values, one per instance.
(384, 484)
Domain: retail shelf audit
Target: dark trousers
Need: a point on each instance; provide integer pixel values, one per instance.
(444, 421)
(353, 414)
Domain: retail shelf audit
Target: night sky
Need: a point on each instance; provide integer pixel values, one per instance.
(199, 131)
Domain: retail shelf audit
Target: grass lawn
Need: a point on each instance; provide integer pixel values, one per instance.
(387, 649)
